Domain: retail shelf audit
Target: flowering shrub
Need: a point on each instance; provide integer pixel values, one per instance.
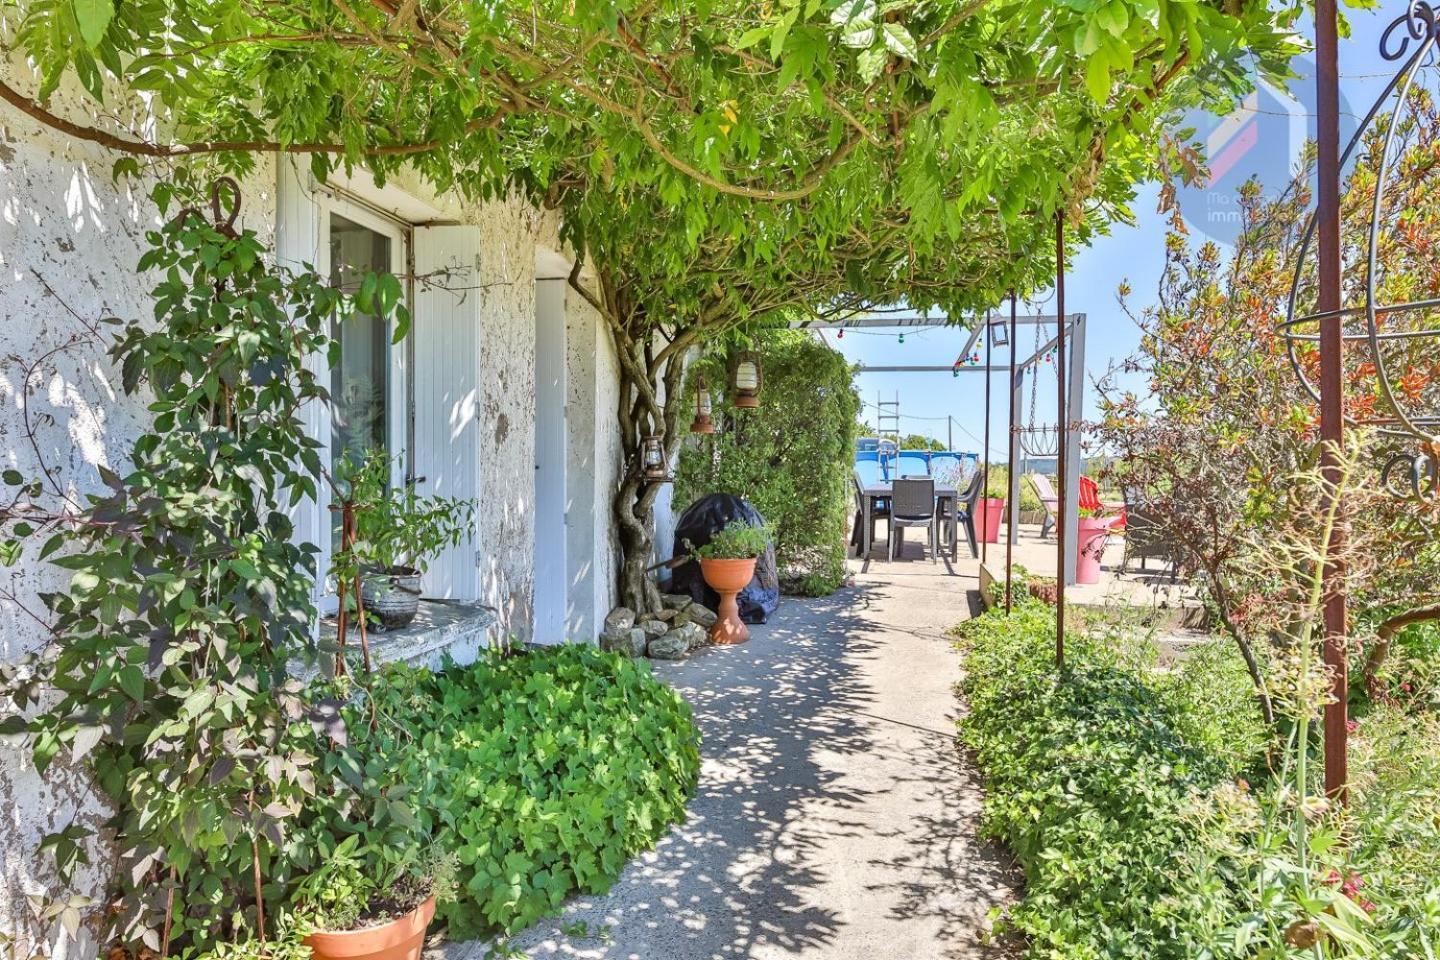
(1222, 422)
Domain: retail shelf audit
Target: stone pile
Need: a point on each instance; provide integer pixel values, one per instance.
(668, 634)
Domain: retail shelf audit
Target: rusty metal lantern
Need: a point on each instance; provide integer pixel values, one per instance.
(702, 422)
(745, 379)
(999, 335)
(653, 466)
(1388, 331)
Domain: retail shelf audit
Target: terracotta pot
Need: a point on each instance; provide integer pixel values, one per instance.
(400, 939)
(727, 578)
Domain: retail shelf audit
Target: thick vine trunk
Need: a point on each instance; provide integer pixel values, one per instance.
(652, 364)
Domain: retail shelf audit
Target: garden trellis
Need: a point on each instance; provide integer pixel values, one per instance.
(1408, 426)
(1396, 335)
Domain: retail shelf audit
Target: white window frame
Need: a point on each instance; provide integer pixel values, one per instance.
(397, 394)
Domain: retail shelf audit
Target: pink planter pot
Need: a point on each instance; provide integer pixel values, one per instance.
(988, 522)
(1089, 546)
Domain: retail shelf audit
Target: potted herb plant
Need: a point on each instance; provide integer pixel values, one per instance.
(396, 533)
(728, 563)
(366, 902)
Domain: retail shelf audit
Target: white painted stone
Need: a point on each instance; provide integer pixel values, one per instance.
(69, 242)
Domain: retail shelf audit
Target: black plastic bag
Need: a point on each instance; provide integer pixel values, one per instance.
(701, 521)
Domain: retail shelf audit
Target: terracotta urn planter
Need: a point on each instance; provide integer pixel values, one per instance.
(401, 939)
(727, 578)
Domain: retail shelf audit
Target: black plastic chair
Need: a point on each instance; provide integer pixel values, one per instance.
(966, 506)
(913, 505)
(879, 510)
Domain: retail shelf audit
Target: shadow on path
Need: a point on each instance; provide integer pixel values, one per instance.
(834, 818)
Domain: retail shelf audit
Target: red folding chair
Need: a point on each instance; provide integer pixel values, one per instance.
(1090, 500)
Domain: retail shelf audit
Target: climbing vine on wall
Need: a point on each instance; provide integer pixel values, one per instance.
(167, 666)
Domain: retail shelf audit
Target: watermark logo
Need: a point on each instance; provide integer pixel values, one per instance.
(1263, 138)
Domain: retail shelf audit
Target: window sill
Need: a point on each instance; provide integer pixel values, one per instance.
(442, 627)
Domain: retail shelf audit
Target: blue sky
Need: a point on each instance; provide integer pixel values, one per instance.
(1130, 253)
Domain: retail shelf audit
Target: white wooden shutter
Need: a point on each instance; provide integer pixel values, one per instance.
(446, 328)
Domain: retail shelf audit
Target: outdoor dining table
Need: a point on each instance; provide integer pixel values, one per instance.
(881, 490)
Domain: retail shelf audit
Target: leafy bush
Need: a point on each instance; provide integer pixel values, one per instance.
(167, 671)
(1138, 802)
(792, 458)
(1087, 783)
(543, 773)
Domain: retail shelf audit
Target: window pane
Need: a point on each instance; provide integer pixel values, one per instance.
(359, 385)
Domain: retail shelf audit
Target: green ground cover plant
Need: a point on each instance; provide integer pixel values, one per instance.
(542, 773)
(1154, 815)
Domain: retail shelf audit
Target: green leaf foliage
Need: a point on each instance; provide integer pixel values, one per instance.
(541, 772)
(792, 458)
(1139, 800)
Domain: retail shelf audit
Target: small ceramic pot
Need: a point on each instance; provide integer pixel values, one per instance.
(727, 578)
(392, 595)
(401, 939)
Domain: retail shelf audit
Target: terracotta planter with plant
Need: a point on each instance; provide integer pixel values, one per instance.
(364, 903)
(728, 564)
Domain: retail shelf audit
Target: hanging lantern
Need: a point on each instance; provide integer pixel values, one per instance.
(745, 380)
(702, 422)
(652, 459)
(999, 335)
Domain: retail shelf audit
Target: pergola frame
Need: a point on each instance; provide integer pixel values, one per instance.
(1073, 340)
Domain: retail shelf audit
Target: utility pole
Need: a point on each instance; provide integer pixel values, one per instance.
(1332, 423)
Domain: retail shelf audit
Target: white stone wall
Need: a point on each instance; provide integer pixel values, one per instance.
(70, 239)
(69, 242)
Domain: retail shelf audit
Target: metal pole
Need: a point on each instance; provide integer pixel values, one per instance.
(1064, 436)
(985, 474)
(1075, 401)
(1014, 506)
(1332, 424)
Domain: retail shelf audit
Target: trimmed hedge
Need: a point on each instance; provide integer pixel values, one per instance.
(791, 459)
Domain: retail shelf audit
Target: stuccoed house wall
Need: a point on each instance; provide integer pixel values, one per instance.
(69, 242)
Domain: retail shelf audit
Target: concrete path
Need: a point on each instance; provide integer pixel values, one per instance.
(835, 819)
